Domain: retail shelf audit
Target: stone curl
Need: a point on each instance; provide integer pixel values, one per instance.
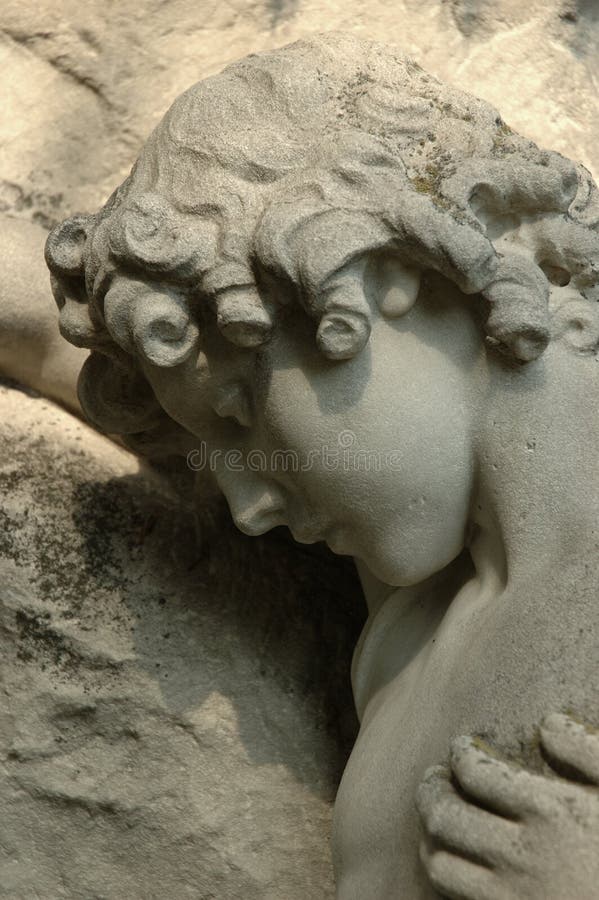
(360, 153)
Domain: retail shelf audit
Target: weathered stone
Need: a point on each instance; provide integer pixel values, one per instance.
(374, 306)
(88, 81)
(84, 94)
(173, 717)
(32, 350)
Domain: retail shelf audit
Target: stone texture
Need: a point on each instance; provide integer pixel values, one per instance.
(174, 716)
(86, 815)
(32, 351)
(84, 83)
(326, 248)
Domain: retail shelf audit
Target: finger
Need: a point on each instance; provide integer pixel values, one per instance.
(502, 787)
(460, 879)
(457, 824)
(572, 746)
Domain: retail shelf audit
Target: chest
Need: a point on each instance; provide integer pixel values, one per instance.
(489, 669)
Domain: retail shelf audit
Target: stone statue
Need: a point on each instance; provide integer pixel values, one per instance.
(367, 308)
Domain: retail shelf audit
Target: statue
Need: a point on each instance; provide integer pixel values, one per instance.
(367, 308)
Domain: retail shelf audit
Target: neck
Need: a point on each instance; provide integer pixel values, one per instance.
(533, 512)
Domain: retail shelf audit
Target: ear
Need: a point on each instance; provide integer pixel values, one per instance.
(115, 396)
(575, 320)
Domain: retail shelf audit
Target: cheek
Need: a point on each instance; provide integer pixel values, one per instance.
(393, 467)
(288, 418)
(409, 523)
(305, 402)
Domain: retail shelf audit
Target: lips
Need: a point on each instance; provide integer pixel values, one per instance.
(334, 539)
(303, 536)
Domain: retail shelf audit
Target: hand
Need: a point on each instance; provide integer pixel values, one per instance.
(495, 831)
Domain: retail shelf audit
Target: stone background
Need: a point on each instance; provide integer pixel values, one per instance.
(175, 710)
(83, 83)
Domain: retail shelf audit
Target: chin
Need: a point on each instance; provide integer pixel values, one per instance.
(396, 571)
(388, 571)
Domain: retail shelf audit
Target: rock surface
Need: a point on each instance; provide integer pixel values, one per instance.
(173, 720)
(87, 82)
(32, 350)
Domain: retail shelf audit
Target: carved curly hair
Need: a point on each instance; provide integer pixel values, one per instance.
(294, 167)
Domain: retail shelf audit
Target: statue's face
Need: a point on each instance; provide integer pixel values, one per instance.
(372, 455)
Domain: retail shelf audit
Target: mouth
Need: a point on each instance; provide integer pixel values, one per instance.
(303, 536)
(334, 536)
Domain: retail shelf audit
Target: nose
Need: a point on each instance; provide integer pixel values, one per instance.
(256, 504)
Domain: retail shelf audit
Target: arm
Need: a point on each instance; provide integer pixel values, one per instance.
(32, 350)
